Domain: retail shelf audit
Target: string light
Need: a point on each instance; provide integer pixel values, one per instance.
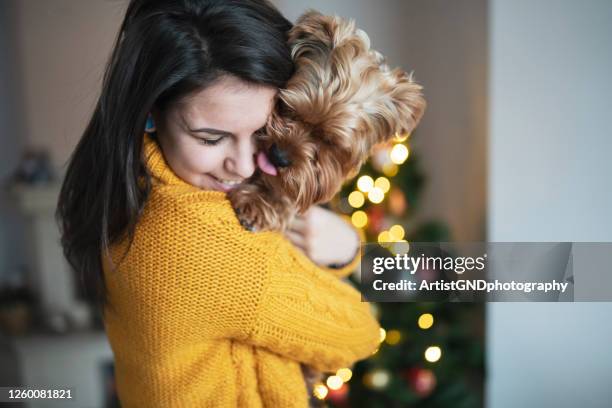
(376, 195)
(397, 232)
(426, 320)
(320, 391)
(390, 169)
(399, 153)
(345, 374)
(375, 191)
(379, 378)
(365, 183)
(384, 236)
(334, 382)
(393, 337)
(359, 219)
(356, 199)
(383, 183)
(400, 247)
(433, 354)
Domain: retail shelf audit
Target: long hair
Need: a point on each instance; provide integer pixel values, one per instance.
(165, 50)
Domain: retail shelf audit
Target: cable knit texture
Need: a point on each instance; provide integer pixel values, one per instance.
(206, 314)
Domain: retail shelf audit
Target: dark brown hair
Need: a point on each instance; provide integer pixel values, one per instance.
(165, 50)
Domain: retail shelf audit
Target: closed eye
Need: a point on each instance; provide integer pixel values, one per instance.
(209, 141)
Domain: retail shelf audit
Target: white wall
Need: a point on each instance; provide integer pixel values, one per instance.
(52, 55)
(12, 140)
(63, 47)
(549, 180)
(445, 44)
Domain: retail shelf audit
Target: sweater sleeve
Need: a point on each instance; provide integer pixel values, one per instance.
(259, 289)
(308, 315)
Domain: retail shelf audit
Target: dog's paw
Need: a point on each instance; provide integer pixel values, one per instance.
(246, 224)
(258, 211)
(253, 213)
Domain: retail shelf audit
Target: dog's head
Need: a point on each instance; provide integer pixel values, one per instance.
(342, 100)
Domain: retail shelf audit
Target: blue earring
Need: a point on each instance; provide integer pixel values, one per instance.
(150, 125)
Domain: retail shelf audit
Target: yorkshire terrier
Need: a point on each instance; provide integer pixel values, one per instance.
(341, 101)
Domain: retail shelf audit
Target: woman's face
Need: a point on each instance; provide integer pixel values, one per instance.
(209, 138)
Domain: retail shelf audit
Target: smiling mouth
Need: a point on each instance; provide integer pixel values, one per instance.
(227, 183)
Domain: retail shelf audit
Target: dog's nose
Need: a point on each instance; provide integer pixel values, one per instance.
(278, 157)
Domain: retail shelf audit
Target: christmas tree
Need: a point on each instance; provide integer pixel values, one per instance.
(431, 354)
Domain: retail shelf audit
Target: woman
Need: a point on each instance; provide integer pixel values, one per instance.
(198, 311)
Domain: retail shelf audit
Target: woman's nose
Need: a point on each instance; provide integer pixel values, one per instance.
(242, 160)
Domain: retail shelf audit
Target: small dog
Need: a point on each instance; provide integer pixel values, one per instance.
(341, 101)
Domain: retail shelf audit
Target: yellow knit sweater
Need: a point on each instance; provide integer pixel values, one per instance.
(206, 314)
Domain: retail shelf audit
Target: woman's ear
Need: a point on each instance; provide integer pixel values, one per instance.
(155, 117)
(150, 124)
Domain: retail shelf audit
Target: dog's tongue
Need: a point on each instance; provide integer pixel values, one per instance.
(265, 165)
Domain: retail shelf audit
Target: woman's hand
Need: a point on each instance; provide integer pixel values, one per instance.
(324, 237)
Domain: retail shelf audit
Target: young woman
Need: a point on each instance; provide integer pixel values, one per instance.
(198, 311)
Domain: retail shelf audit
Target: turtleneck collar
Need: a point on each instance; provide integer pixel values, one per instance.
(161, 171)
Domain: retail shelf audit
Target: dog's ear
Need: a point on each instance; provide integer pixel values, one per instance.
(395, 105)
(343, 87)
(319, 182)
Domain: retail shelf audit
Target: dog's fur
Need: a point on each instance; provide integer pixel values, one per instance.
(341, 101)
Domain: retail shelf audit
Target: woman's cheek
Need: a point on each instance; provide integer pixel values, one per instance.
(208, 159)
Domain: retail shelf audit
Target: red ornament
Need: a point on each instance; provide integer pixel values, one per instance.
(340, 396)
(376, 217)
(397, 202)
(421, 380)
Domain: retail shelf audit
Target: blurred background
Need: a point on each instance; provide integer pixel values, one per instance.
(515, 146)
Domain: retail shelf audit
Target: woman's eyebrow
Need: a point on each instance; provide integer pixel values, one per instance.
(212, 131)
(219, 132)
